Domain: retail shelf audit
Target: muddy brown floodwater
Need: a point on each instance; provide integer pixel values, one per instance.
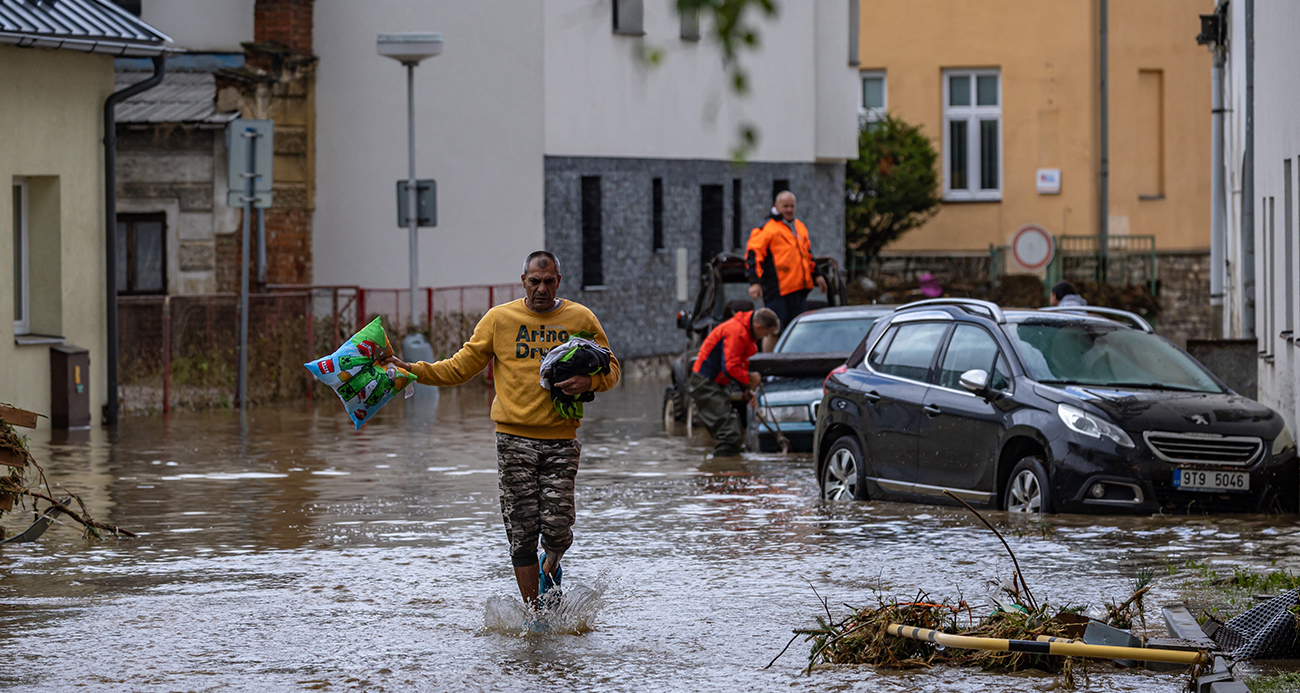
(307, 556)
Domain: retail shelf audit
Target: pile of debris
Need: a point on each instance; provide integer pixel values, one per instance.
(26, 478)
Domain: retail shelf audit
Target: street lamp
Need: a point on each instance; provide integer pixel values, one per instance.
(409, 48)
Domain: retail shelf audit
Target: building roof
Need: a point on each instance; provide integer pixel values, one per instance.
(90, 26)
(183, 97)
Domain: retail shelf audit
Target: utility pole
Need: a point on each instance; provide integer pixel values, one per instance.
(1103, 184)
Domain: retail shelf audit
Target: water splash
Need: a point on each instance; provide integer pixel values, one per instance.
(573, 614)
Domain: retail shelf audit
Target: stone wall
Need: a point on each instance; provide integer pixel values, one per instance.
(1184, 279)
(637, 305)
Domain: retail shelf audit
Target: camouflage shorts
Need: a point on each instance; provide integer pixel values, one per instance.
(536, 480)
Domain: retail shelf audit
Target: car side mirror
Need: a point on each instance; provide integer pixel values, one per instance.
(975, 381)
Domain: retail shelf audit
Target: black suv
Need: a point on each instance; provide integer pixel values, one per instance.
(1049, 410)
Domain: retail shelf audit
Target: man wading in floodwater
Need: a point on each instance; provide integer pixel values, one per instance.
(537, 449)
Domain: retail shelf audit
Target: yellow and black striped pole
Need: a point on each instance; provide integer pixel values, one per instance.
(1052, 646)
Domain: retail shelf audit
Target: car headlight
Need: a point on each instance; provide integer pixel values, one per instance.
(1282, 442)
(1083, 423)
(787, 414)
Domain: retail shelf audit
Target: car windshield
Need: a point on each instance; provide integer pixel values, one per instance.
(812, 336)
(1091, 353)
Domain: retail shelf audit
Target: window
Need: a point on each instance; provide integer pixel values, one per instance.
(735, 215)
(628, 17)
(711, 207)
(593, 273)
(912, 350)
(1270, 274)
(690, 25)
(22, 299)
(970, 348)
(1288, 265)
(972, 135)
(779, 186)
(812, 336)
(141, 260)
(873, 105)
(855, 29)
(1151, 135)
(657, 213)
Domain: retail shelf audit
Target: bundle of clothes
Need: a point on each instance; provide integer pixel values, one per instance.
(578, 356)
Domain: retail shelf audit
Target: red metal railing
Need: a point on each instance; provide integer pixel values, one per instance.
(193, 336)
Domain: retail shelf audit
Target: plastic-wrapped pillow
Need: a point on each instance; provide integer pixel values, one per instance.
(354, 374)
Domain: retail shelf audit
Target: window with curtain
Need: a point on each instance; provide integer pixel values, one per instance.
(141, 254)
(972, 138)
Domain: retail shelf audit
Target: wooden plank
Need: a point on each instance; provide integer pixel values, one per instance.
(12, 458)
(18, 417)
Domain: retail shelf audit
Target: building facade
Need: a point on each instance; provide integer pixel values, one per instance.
(1261, 167)
(1013, 90)
(54, 78)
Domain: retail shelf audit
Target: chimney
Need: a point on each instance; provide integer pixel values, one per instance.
(284, 22)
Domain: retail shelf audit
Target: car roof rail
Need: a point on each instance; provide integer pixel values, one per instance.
(993, 309)
(1133, 318)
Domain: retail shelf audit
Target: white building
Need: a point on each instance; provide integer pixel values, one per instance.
(1263, 230)
(533, 102)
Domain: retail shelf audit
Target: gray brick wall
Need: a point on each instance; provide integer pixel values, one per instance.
(638, 305)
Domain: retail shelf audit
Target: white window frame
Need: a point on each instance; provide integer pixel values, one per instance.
(23, 326)
(972, 114)
(872, 115)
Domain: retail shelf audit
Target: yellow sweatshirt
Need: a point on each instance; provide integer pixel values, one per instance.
(519, 338)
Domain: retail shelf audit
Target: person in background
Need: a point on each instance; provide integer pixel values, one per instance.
(723, 360)
(537, 449)
(780, 265)
(929, 284)
(1063, 294)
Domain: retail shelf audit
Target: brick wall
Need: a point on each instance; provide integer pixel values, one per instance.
(285, 22)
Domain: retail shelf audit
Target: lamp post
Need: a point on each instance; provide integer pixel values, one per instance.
(409, 48)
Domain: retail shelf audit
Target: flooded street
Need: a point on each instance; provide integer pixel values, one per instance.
(306, 556)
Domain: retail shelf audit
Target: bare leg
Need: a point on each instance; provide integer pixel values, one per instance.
(527, 579)
(552, 563)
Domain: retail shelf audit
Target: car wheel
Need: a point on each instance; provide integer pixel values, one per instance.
(1027, 490)
(843, 476)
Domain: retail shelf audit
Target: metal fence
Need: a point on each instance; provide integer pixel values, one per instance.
(182, 350)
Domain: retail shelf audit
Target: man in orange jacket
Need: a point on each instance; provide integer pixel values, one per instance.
(780, 265)
(723, 360)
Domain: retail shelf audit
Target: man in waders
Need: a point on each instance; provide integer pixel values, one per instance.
(780, 265)
(724, 360)
(537, 449)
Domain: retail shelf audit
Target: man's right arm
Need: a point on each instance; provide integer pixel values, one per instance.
(472, 358)
(755, 253)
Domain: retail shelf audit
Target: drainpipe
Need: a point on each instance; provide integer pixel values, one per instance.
(1218, 200)
(1103, 189)
(110, 226)
(1248, 186)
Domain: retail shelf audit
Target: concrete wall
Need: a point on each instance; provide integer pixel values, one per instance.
(51, 105)
(1048, 56)
(479, 133)
(176, 171)
(604, 98)
(636, 306)
(209, 26)
(1277, 237)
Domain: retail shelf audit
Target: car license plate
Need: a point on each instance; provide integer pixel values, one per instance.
(1204, 480)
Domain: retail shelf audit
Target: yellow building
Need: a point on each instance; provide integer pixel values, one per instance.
(1009, 88)
(55, 75)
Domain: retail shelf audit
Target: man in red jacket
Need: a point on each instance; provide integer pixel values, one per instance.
(723, 360)
(780, 264)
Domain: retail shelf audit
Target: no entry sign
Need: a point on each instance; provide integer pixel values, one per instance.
(1033, 247)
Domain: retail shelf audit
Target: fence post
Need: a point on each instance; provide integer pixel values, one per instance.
(361, 308)
(167, 352)
(311, 339)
